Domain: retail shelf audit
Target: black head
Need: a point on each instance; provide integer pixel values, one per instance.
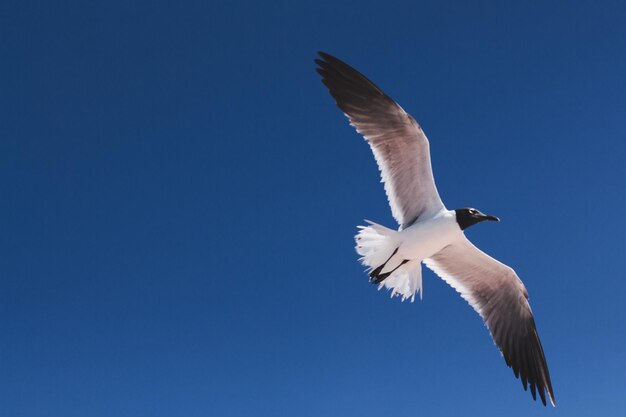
(467, 217)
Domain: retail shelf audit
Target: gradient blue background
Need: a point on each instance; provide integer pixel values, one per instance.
(179, 195)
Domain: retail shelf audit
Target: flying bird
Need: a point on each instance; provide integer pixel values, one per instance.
(429, 232)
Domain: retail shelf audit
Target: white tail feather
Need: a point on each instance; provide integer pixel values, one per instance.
(405, 282)
(376, 244)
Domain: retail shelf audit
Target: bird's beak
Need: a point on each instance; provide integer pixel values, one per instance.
(492, 218)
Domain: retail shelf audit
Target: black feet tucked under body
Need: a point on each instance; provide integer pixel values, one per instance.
(376, 277)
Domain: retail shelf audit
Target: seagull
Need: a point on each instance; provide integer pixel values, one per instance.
(429, 233)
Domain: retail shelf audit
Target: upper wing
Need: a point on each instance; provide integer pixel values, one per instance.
(497, 294)
(398, 142)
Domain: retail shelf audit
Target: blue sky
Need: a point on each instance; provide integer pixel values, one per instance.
(179, 195)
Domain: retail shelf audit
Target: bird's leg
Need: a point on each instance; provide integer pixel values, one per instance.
(376, 271)
(381, 277)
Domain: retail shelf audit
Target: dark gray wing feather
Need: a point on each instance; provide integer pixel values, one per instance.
(499, 296)
(399, 145)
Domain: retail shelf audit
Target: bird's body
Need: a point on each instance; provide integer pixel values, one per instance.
(429, 233)
(428, 236)
(394, 257)
(387, 249)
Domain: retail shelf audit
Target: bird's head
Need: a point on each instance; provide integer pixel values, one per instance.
(467, 217)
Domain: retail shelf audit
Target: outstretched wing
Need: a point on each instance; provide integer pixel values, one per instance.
(499, 296)
(399, 145)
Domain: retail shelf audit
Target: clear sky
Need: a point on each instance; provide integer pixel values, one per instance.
(179, 195)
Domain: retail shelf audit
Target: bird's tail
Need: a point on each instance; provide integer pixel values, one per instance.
(378, 247)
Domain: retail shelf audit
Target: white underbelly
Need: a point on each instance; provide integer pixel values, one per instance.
(423, 239)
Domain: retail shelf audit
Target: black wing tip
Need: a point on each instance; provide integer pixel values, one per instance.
(522, 352)
(351, 90)
(536, 376)
(336, 66)
(552, 400)
(327, 57)
(550, 393)
(340, 68)
(542, 388)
